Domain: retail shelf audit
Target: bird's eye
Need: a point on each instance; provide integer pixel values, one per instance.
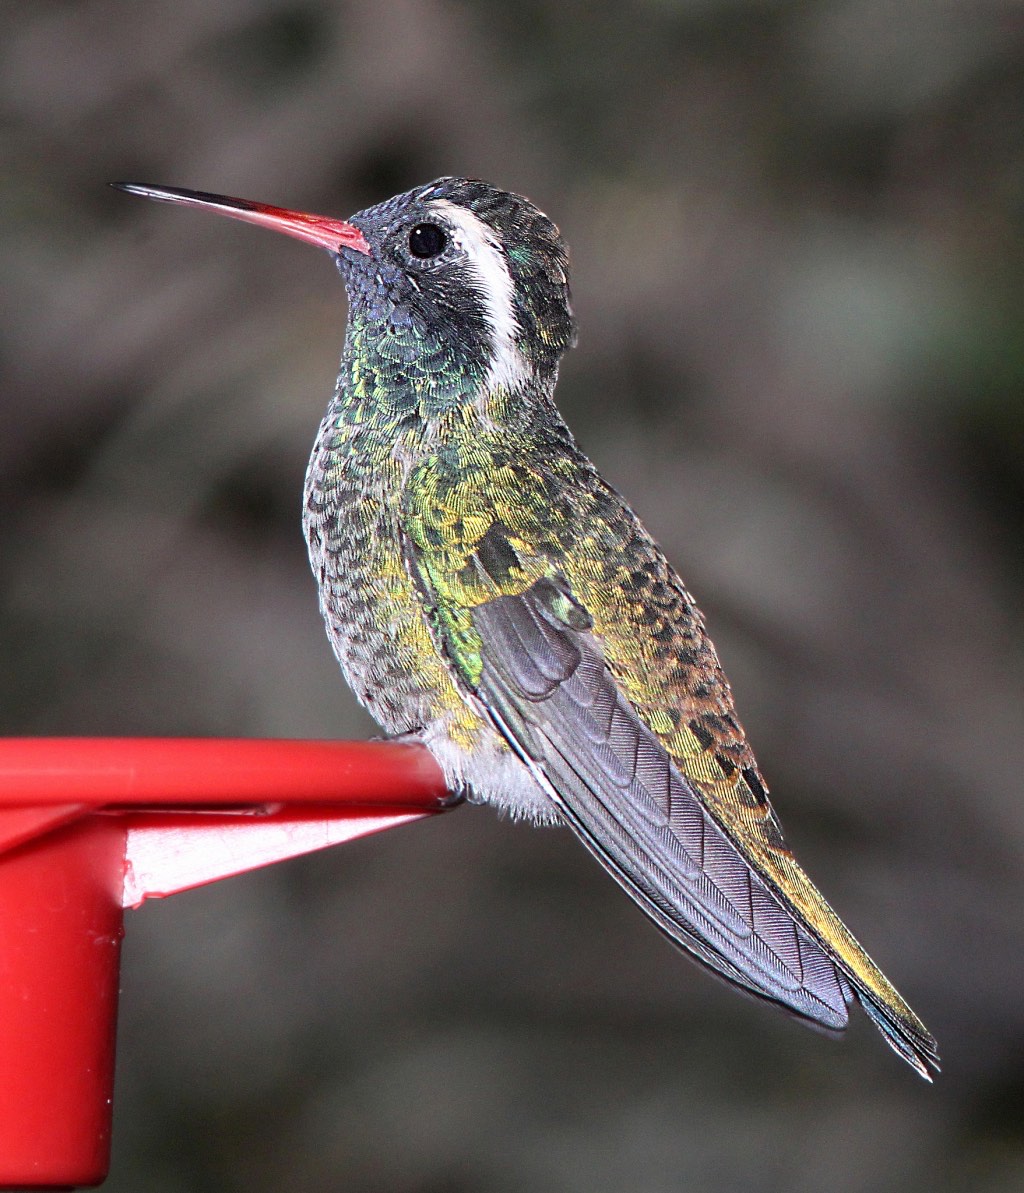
(427, 240)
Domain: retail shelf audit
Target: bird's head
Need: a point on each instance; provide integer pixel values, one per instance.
(457, 260)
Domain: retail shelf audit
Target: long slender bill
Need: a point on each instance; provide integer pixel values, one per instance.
(321, 230)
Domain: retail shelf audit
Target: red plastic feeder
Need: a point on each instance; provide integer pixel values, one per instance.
(89, 826)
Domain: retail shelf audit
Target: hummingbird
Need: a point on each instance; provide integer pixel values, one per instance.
(489, 594)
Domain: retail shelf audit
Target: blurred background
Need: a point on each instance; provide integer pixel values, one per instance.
(799, 274)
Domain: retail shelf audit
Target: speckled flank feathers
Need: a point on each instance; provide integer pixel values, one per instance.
(485, 589)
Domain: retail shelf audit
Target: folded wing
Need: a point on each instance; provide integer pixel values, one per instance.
(549, 689)
(547, 686)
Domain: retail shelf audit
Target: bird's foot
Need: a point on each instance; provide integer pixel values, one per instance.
(414, 737)
(458, 792)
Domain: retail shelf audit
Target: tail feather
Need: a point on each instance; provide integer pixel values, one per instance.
(916, 1046)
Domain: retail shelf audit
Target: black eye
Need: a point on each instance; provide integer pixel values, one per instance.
(427, 240)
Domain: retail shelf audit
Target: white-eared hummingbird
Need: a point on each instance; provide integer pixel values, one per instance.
(487, 592)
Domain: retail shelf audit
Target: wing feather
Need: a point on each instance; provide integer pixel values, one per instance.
(703, 856)
(619, 790)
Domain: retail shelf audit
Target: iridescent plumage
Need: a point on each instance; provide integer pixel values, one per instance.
(484, 589)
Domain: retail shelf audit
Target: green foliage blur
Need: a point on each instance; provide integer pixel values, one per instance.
(799, 276)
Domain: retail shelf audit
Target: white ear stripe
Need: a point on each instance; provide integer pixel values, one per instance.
(508, 368)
